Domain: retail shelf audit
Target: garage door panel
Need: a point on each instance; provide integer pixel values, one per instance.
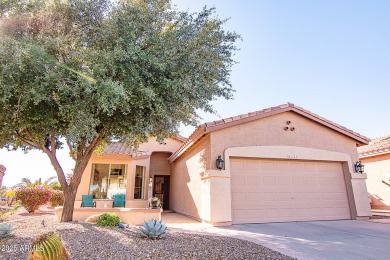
(278, 191)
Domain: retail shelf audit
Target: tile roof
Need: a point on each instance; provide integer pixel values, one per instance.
(376, 146)
(124, 149)
(205, 128)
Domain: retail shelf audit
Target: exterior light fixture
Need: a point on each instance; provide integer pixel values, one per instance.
(359, 167)
(150, 179)
(220, 162)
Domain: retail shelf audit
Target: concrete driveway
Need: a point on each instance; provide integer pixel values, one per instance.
(345, 239)
(342, 239)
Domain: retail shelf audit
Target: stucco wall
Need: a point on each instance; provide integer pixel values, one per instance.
(265, 132)
(168, 145)
(117, 159)
(186, 183)
(159, 164)
(377, 169)
(270, 131)
(162, 150)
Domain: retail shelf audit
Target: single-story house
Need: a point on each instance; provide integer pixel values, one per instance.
(376, 158)
(280, 164)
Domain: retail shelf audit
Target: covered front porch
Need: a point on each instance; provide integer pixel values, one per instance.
(133, 216)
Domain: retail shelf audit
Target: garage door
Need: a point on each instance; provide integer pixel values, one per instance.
(287, 190)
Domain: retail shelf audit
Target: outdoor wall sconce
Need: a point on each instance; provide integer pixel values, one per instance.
(359, 167)
(150, 179)
(220, 162)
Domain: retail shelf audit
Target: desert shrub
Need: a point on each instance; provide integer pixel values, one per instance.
(33, 198)
(108, 219)
(4, 214)
(55, 186)
(10, 195)
(57, 199)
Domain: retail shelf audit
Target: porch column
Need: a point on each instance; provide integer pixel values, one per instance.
(216, 198)
(2, 173)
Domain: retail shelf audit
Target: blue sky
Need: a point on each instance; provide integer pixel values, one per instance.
(330, 57)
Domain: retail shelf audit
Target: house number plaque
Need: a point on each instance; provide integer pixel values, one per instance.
(292, 156)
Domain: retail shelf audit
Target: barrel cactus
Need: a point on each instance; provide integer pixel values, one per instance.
(5, 230)
(48, 247)
(153, 229)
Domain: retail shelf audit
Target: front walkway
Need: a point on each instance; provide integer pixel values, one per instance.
(343, 239)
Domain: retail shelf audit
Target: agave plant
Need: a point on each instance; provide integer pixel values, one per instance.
(5, 230)
(48, 247)
(153, 229)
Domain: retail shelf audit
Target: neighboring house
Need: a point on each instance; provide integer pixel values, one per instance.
(280, 164)
(376, 158)
(2, 173)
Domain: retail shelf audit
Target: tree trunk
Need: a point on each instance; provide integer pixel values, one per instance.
(70, 196)
(84, 153)
(70, 190)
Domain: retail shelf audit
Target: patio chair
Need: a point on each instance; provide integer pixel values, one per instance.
(87, 201)
(119, 200)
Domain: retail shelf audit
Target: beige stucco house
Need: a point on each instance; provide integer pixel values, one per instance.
(376, 158)
(2, 173)
(280, 164)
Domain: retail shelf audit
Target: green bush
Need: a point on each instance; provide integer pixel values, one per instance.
(33, 198)
(108, 219)
(57, 199)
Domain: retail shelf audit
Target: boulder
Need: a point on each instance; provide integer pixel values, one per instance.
(93, 218)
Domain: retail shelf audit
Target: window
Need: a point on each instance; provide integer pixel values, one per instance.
(139, 182)
(107, 180)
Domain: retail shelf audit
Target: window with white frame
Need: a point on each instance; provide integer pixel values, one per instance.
(107, 180)
(139, 183)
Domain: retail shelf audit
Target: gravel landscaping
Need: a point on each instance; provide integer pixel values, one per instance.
(88, 241)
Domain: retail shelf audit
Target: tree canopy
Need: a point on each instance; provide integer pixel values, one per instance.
(86, 71)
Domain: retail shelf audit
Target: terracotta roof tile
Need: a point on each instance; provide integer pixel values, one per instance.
(376, 146)
(124, 149)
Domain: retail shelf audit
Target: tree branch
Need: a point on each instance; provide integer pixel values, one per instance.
(71, 151)
(31, 137)
(57, 167)
(27, 141)
(53, 144)
(86, 152)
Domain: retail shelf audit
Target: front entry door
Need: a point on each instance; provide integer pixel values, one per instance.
(161, 190)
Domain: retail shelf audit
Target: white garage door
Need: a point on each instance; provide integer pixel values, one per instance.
(287, 190)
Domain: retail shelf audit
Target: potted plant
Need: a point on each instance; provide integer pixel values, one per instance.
(154, 203)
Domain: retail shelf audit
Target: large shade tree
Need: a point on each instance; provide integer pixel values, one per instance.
(84, 72)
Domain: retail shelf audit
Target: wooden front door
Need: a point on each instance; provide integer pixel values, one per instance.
(161, 189)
